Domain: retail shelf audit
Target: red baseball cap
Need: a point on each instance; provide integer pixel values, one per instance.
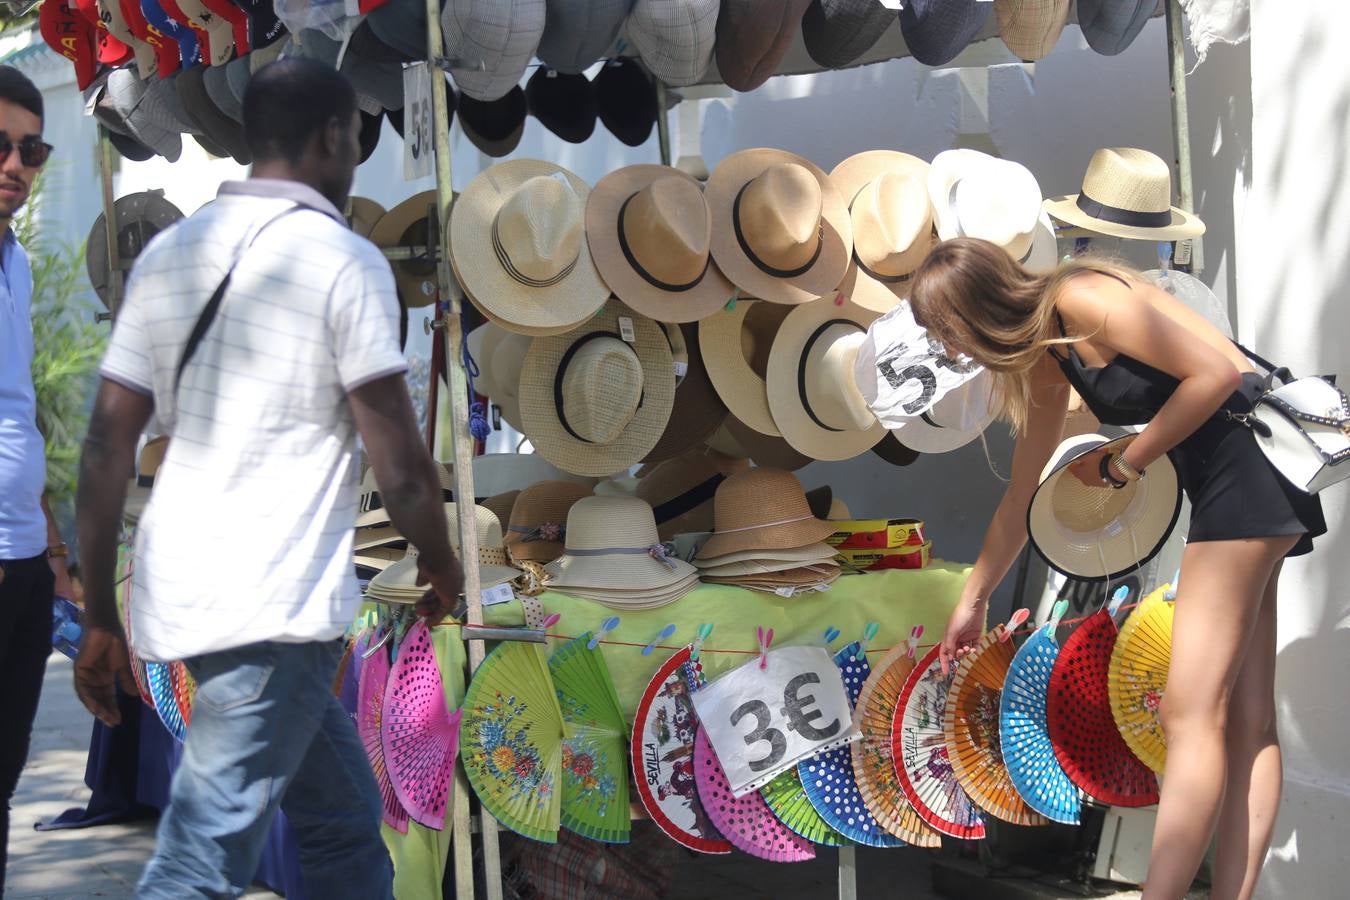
(111, 51)
(238, 20)
(165, 47)
(71, 35)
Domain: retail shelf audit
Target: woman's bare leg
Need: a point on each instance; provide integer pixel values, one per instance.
(1252, 799)
(1222, 587)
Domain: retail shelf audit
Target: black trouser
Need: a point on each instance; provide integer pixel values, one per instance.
(25, 643)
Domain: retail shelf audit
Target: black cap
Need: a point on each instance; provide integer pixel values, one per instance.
(129, 147)
(564, 104)
(370, 133)
(625, 97)
(494, 126)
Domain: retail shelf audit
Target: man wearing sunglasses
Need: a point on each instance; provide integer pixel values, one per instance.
(32, 556)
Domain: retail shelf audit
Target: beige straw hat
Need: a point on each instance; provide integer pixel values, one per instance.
(398, 583)
(781, 229)
(650, 231)
(363, 213)
(376, 536)
(499, 354)
(147, 467)
(1101, 533)
(735, 438)
(375, 513)
(593, 402)
(518, 245)
(814, 400)
(981, 196)
(766, 567)
(406, 225)
(887, 194)
(612, 545)
(1127, 193)
(378, 558)
(1030, 28)
(762, 509)
(622, 600)
(539, 519)
(735, 345)
(681, 490)
(794, 556)
(500, 505)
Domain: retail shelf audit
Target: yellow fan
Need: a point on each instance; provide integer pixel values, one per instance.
(1137, 677)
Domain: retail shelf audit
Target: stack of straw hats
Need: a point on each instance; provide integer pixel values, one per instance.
(397, 583)
(613, 555)
(765, 537)
(538, 520)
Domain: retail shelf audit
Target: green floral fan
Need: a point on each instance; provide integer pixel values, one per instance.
(594, 749)
(511, 740)
(788, 801)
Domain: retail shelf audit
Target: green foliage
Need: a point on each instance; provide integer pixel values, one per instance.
(67, 348)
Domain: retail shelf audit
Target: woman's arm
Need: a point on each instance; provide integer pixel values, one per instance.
(1007, 533)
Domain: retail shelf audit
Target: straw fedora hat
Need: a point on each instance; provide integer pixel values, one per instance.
(681, 490)
(538, 519)
(1127, 193)
(1101, 533)
(781, 229)
(892, 218)
(518, 241)
(762, 509)
(500, 505)
(612, 545)
(812, 395)
(981, 196)
(650, 231)
(499, 354)
(593, 402)
(698, 410)
(147, 467)
(753, 36)
(398, 582)
(407, 225)
(735, 344)
(958, 418)
(373, 511)
(1030, 28)
(363, 214)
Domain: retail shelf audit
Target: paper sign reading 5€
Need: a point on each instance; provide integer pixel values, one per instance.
(762, 721)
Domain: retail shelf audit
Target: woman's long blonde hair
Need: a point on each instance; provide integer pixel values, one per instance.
(975, 299)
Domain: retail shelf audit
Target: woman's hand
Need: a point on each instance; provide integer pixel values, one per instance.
(964, 629)
(1088, 468)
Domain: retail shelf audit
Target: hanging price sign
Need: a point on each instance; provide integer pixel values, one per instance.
(763, 721)
(417, 139)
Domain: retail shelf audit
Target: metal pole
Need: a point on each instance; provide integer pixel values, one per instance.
(461, 440)
(662, 124)
(1181, 133)
(105, 165)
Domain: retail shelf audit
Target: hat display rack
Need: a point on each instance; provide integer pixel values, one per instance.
(811, 51)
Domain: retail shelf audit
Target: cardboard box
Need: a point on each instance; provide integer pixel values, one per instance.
(913, 557)
(876, 534)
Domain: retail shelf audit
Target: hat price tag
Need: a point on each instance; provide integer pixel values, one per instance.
(681, 368)
(417, 141)
(500, 593)
(627, 331)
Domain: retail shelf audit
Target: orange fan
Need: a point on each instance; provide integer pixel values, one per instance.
(873, 760)
(970, 727)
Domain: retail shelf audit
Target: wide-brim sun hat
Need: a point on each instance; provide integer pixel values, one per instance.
(1030, 28)
(753, 36)
(612, 545)
(407, 224)
(491, 44)
(519, 250)
(1127, 193)
(538, 519)
(674, 38)
(735, 344)
(140, 217)
(887, 195)
(812, 395)
(374, 513)
(698, 410)
(650, 233)
(762, 509)
(781, 229)
(735, 437)
(398, 582)
(363, 215)
(795, 556)
(958, 418)
(837, 32)
(981, 196)
(1101, 533)
(597, 399)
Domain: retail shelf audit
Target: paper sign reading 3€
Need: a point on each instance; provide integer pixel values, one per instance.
(762, 721)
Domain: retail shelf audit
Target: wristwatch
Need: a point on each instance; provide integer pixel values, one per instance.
(58, 551)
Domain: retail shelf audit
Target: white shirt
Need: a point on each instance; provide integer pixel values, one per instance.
(23, 465)
(248, 534)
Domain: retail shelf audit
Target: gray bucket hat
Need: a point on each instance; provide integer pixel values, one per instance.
(1109, 26)
(935, 31)
(379, 85)
(127, 99)
(402, 25)
(836, 32)
(577, 33)
(491, 43)
(675, 38)
(217, 81)
(163, 93)
(220, 129)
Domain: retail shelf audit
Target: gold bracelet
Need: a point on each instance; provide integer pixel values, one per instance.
(1123, 467)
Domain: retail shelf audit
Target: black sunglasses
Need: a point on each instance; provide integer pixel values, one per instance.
(33, 150)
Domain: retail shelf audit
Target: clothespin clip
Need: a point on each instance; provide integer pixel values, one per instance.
(664, 633)
(838, 298)
(731, 304)
(1014, 622)
(1171, 592)
(605, 628)
(1120, 596)
(703, 631)
(830, 634)
(765, 639)
(1056, 614)
(913, 643)
(869, 632)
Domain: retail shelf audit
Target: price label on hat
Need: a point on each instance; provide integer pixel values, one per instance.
(762, 721)
(417, 139)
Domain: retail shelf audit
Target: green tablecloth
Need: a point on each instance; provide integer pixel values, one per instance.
(897, 600)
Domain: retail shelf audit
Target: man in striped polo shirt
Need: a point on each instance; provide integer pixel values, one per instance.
(243, 555)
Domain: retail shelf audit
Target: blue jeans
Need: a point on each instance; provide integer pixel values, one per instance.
(266, 732)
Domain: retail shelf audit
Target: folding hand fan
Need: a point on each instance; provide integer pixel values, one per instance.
(184, 690)
(920, 752)
(663, 755)
(418, 732)
(369, 724)
(970, 727)
(1082, 731)
(594, 756)
(123, 595)
(828, 778)
(340, 677)
(746, 821)
(1032, 765)
(511, 740)
(788, 801)
(1137, 677)
(159, 679)
(873, 762)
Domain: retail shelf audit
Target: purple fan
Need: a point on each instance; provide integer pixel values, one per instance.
(419, 733)
(747, 821)
(369, 712)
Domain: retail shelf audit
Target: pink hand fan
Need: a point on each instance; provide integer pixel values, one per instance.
(418, 732)
(747, 822)
(369, 715)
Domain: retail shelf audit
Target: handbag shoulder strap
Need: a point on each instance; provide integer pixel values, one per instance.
(208, 313)
(1272, 371)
